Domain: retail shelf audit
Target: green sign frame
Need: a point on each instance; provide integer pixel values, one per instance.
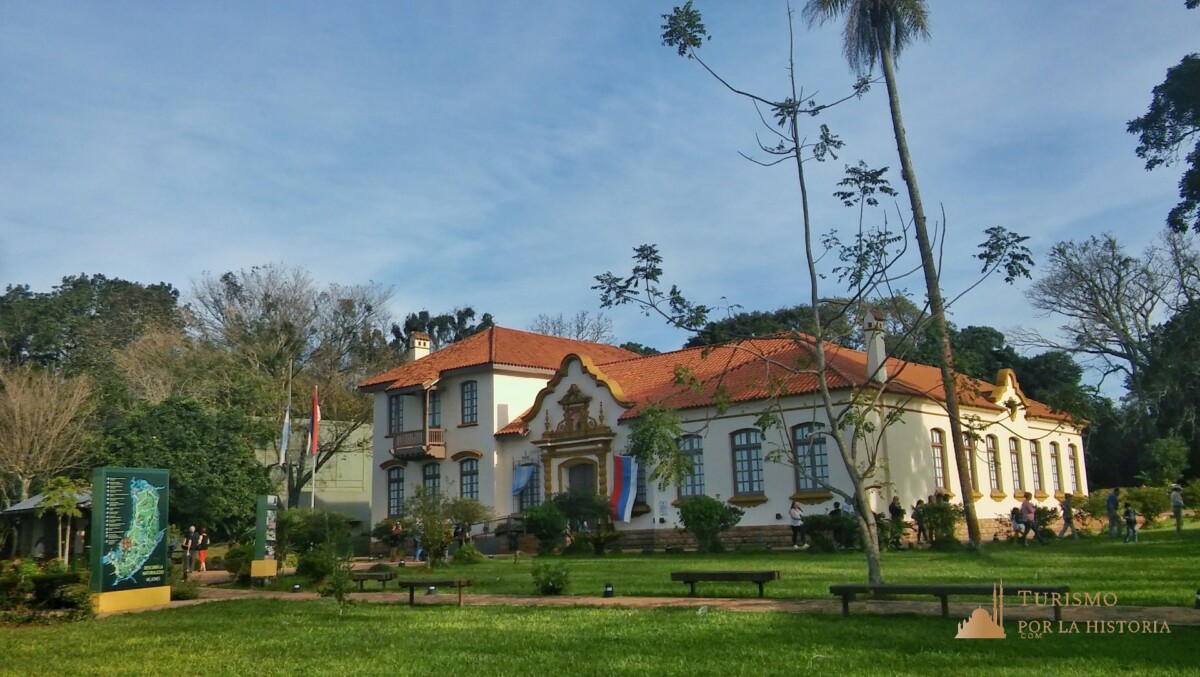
(129, 528)
(264, 533)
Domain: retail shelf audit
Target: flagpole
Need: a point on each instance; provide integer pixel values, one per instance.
(314, 436)
(287, 421)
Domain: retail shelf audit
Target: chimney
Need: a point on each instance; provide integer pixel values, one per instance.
(876, 348)
(418, 346)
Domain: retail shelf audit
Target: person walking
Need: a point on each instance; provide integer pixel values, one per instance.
(1130, 515)
(190, 541)
(1029, 519)
(1111, 506)
(1068, 518)
(796, 518)
(1177, 506)
(202, 543)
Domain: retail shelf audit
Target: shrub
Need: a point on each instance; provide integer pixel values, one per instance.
(180, 588)
(600, 540)
(941, 519)
(1149, 501)
(1191, 498)
(337, 582)
(319, 563)
(1092, 505)
(1044, 517)
(546, 522)
(467, 554)
(705, 518)
(237, 561)
(581, 508)
(382, 568)
(818, 531)
(301, 529)
(550, 578)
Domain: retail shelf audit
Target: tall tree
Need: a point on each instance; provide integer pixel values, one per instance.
(443, 329)
(44, 423)
(877, 31)
(1172, 123)
(583, 326)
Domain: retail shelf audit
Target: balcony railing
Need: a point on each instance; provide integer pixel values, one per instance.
(419, 444)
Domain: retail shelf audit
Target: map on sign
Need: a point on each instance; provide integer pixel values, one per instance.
(143, 534)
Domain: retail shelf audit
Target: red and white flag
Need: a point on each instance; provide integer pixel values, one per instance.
(314, 424)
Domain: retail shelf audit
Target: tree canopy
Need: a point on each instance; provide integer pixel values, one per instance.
(1170, 125)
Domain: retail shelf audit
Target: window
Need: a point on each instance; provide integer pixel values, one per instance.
(530, 494)
(1035, 464)
(431, 478)
(747, 462)
(1014, 459)
(435, 409)
(969, 449)
(468, 478)
(693, 484)
(938, 443)
(395, 414)
(470, 402)
(395, 489)
(993, 462)
(1073, 464)
(639, 497)
(1055, 468)
(812, 459)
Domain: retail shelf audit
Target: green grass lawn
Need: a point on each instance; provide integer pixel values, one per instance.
(273, 637)
(1159, 571)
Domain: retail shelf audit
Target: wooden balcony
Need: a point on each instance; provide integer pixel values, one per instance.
(419, 445)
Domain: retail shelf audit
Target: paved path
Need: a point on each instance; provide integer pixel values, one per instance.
(958, 610)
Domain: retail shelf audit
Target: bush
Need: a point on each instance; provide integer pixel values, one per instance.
(818, 531)
(237, 561)
(300, 530)
(600, 540)
(1149, 501)
(319, 563)
(29, 595)
(181, 589)
(550, 578)
(1191, 498)
(941, 519)
(548, 523)
(705, 518)
(381, 568)
(581, 508)
(467, 554)
(337, 582)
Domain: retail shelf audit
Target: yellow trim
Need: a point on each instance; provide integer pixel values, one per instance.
(468, 453)
(264, 568)
(640, 509)
(749, 499)
(1040, 495)
(811, 496)
(999, 495)
(1060, 495)
(975, 495)
(124, 600)
(589, 368)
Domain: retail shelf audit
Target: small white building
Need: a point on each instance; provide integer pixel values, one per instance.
(512, 418)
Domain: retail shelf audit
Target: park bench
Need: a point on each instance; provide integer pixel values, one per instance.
(693, 577)
(363, 576)
(847, 591)
(413, 584)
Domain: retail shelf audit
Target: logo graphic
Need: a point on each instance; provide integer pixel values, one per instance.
(981, 624)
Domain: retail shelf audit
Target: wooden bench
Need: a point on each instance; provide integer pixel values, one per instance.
(847, 591)
(693, 577)
(363, 576)
(413, 584)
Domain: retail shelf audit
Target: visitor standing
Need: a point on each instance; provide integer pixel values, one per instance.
(202, 543)
(918, 514)
(896, 513)
(1131, 516)
(1177, 506)
(796, 516)
(1068, 517)
(1112, 505)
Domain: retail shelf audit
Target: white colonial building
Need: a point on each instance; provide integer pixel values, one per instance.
(512, 418)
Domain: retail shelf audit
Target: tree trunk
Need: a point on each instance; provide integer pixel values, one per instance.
(25, 483)
(937, 308)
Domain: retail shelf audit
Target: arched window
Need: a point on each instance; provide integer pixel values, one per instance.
(993, 461)
(1073, 464)
(747, 462)
(938, 443)
(395, 414)
(468, 478)
(470, 402)
(1055, 468)
(431, 478)
(1014, 459)
(1035, 465)
(693, 447)
(527, 485)
(395, 490)
(812, 459)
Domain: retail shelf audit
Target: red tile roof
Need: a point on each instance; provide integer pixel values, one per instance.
(495, 346)
(755, 369)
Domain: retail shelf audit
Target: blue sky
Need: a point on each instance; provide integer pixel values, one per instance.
(501, 154)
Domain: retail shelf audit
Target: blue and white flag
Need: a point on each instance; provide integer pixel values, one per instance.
(285, 436)
(624, 487)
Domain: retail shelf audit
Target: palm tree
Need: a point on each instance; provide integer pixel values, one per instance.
(876, 31)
